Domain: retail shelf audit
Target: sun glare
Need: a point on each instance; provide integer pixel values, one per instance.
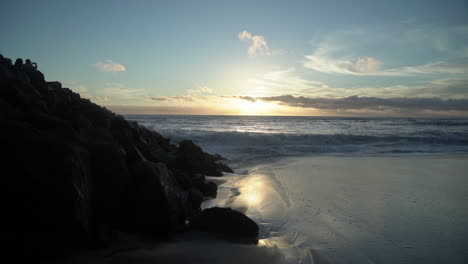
(253, 108)
(251, 198)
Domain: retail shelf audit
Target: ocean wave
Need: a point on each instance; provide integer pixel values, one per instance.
(245, 145)
(249, 138)
(438, 122)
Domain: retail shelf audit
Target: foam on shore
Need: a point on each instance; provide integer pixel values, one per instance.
(359, 209)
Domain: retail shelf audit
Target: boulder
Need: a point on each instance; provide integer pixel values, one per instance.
(154, 204)
(207, 188)
(191, 158)
(229, 223)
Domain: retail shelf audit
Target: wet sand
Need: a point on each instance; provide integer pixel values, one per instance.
(366, 209)
(330, 210)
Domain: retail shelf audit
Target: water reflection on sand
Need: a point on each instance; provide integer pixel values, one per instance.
(260, 197)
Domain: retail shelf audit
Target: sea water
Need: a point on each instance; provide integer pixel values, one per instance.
(246, 138)
(341, 190)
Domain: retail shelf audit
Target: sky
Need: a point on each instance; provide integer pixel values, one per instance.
(338, 58)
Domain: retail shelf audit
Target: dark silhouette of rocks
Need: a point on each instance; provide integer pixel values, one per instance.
(75, 172)
(232, 224)
(191, 157)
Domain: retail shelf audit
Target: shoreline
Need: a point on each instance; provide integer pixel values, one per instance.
(358, 209)
(283, 238)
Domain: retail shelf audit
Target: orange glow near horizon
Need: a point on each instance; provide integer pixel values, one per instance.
(254, 108)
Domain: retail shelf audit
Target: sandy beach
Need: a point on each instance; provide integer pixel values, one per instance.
(331, 210)
(365, 209)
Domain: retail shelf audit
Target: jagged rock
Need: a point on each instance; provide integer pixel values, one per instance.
(155, 206)
(182, 178)
(229, 223)
(76, 171)
(191, 158)
(195, 198)
(207, 188)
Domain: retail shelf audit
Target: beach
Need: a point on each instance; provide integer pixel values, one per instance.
(341, 190)
(359, 209)
(329, 210)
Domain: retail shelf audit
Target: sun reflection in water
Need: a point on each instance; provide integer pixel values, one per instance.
(252, 191)
(252, 198)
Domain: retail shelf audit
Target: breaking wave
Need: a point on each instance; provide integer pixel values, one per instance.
(245, 145)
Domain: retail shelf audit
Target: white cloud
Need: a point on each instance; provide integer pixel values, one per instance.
(83, 91)
(361, 66)
(432, 68)
(184, 98)
(348, 52)
(259, 45)
(109, 66)
(368, 66)
(200, 90)
(121, 93)
(279, 81)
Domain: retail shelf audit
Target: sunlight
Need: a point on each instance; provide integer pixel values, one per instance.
(252, 190)
(253, 108)
(251, 198)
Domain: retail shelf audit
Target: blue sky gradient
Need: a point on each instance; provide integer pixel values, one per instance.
(189, 55)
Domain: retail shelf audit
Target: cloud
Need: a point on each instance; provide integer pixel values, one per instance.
(259, 46)
(368, 103)
(83, 91)
(201, 90)
(433, 68)
(109, 66)
(119, 91)
(276, 82)
(187, 98)
(247, 98)
(370, 66)
(361, 66)
(364, 52)
(166, 110)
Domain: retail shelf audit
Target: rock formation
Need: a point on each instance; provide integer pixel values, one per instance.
(74, 172)
(232, 224)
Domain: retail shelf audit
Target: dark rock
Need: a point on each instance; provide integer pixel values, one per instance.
(182, 178)
(110, 181)
(229, 223)
(155, 206)
(209, 189)
(199, 178)
(191, 158)
(195, 198)
(76, 172)
(55, 85)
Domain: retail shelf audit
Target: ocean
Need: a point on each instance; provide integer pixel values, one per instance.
(341, 190)
(246, 138)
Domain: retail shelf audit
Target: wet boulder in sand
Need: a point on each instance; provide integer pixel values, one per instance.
(232, 224)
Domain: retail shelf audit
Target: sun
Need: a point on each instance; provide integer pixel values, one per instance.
(253, 108)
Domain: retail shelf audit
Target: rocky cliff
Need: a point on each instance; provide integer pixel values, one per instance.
(74, 172)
